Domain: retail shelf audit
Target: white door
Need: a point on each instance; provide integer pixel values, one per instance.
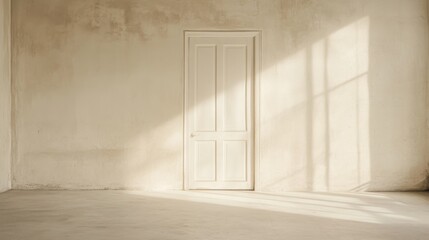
(219, 110)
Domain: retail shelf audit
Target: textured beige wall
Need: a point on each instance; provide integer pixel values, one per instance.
(427, 109)
(5, 98)
(99, 91)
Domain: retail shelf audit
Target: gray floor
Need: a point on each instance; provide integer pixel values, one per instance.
(212, 215)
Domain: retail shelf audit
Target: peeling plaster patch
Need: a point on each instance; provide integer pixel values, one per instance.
(220, 13)
(57, 20)
(125, 19)
(50, 21)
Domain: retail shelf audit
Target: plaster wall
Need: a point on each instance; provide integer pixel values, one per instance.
(427, 112)
(98, 92)
(5, 97)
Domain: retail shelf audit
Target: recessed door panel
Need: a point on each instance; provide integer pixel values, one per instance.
(235, 81)
(235, 164)
(205, 161)
(205, 87)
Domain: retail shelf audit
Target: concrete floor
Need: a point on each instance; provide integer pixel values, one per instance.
(212, 215)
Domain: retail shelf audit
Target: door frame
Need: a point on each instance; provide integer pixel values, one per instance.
(257, 35)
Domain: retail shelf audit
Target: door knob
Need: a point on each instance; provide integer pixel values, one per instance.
(193, 134)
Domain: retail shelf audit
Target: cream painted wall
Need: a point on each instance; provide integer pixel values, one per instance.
(5, 98)
(99, 92)
(427, 109)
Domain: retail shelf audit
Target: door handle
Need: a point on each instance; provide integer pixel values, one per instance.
(194, 134)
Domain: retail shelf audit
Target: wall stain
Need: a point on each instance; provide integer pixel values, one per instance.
(128, 18)
(45, 26)
(51, 24)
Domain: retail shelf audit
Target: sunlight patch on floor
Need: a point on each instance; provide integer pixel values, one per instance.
(368, 208)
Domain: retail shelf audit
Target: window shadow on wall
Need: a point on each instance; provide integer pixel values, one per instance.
(357, 93)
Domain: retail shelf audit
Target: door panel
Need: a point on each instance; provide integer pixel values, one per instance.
(234, 158)
(205, 161)
(219, 111)
(234, 83)
(205, 87)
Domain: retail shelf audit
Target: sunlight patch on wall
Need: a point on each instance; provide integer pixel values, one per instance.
(319, 95)
(347, 105)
